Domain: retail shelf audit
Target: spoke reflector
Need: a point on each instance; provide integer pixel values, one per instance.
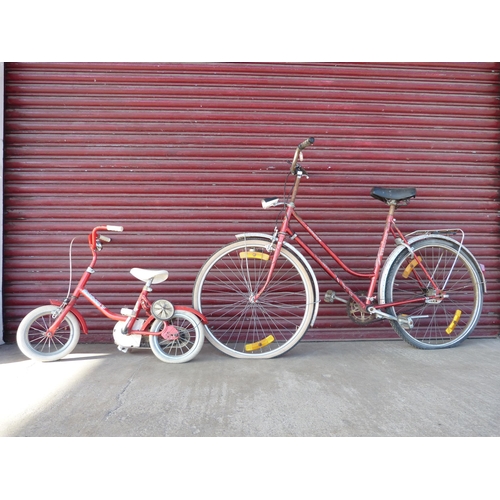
(411, 266)
(254, 255)
(454, 322)
(259, 344)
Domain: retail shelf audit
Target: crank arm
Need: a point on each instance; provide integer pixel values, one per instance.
(381, 315)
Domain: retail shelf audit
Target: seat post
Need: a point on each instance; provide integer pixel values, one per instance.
(147, 286)
(392, 208)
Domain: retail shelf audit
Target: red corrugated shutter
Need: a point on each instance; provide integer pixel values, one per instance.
(181, 154)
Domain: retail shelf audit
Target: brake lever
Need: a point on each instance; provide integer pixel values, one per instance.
(300, 170)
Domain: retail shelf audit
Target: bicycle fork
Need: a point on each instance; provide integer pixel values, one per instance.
(281, 235)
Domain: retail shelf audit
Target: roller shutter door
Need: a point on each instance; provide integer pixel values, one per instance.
(181, 154)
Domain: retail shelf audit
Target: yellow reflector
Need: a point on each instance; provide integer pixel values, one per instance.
(454, 321)
(259, 344)
(411, 266)
(254, 255)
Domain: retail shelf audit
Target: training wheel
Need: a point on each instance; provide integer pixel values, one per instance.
(162, 310)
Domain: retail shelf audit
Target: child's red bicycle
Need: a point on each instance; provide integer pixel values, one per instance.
(260, 295)
(175, 334)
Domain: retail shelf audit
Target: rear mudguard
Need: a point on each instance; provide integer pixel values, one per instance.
(78, 315)
(192, 311)
(401, 248)
(268, 237)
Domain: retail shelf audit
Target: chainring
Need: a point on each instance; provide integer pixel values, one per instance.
(357, 314)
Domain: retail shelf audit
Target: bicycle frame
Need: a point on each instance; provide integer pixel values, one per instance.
(142, 303)
(390, 228)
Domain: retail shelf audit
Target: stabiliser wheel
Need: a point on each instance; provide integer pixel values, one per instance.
(162, 310)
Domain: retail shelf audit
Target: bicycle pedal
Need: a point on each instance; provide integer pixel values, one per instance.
(405, 321)
(329, 296)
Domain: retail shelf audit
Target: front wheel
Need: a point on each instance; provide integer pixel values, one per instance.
(188, 344)
(240, 325)
(34, 342)
(436, 319)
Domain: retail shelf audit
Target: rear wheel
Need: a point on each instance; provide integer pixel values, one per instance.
(442, 319)
(190, 335)
(241, 326)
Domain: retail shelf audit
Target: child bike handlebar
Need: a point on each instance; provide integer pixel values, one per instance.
(94, 237)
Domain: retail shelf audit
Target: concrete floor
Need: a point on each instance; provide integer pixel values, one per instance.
(325, 389)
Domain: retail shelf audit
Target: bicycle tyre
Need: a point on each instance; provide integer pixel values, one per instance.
(186, 347)
(33, 342)
(241, 327)
(448, 321)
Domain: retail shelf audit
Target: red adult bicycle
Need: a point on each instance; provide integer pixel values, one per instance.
(175, 334)
(260, 294)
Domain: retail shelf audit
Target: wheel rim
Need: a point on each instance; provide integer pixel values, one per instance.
(185, 341)
(443, 320)
(238, 324)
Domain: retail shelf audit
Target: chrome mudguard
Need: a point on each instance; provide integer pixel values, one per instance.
(400, 248)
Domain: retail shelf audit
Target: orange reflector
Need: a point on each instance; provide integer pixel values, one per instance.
(254, 255)
(411, 266)
(454, 321)
(259, 344)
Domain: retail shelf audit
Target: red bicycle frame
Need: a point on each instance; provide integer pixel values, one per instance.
(390, 227)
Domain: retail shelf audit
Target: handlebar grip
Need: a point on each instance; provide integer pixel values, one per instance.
(114, 228)
(104, 238)
(306, 143)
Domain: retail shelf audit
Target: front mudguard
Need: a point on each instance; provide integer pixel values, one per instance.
(78, 315)
(401, 248)
(268, 237)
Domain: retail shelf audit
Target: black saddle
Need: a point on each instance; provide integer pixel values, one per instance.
(391, 195)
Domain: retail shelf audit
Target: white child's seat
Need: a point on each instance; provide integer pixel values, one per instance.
(149, 274)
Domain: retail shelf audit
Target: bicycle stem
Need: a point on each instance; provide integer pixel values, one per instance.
(298, 177)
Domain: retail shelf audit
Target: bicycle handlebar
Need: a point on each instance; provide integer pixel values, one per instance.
(306, 143)
(303, 145)
(94, 237)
